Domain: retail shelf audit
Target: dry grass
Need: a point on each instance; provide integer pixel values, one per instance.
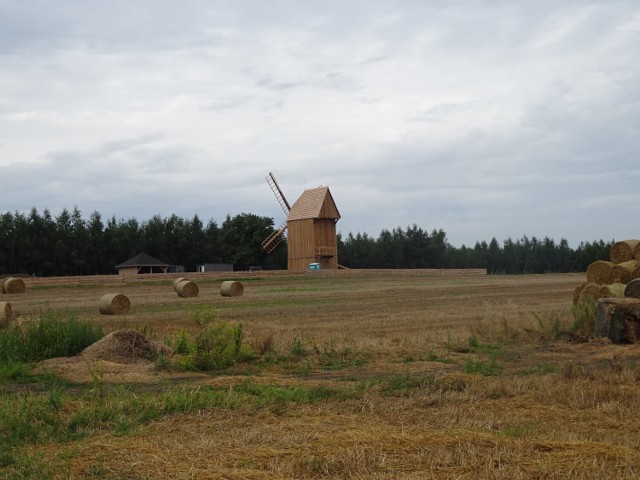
(427, 404)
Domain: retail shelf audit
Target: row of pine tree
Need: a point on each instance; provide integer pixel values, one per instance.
(40, 244)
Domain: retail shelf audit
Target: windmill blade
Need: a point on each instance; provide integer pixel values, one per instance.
(275, 188)
(275, 239)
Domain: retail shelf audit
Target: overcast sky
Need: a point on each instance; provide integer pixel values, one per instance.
(482, 118)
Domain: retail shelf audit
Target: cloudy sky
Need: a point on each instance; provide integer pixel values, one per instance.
(483, 118)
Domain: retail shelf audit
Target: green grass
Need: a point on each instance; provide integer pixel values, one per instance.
(482, 367)
(51, 334)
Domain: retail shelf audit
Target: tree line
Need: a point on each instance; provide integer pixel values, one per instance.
(37, 243)
(67, 244)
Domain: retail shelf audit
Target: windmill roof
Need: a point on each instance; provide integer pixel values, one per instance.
(314, 203)
(142, 260)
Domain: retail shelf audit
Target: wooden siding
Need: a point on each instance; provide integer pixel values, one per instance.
(312, 241)
(128, 270)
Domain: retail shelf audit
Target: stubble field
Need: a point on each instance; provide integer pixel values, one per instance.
(381, 374)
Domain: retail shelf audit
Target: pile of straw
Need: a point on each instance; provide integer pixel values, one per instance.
(231, 289)
(617, 277)
(187, 289)
(13, 285)
(124, 346)
(114, 304)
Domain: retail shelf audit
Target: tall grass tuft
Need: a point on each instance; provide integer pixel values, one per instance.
(584, 315)
(52, 334)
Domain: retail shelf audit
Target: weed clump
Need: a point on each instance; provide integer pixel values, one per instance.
(215, 346)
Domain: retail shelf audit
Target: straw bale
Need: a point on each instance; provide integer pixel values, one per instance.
(231, 289)
(599, 272)
(636, 272)
(595, 291)
(6, 314)
(623, 272)
(623, 251)
(187, 289)
(632, 290)
(114, 304)
(616, 290)
(177, 281)
(13, 285)
(2, 289)
(619, 319)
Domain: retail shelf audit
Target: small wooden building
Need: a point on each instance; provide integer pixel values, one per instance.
(142, 263)
(311, 226)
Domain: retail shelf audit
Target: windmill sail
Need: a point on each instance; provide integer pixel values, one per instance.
(279, 235)
(275, 239)
(275, 188)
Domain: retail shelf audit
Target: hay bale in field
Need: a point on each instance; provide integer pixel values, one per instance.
(231, 289)
(177, 281)
(187, 289)
(623, 272)
(599, 272)
(619, 319)
(623, 251)
(616, 290)
(636, 272)
(114, 304)
(6, 314)
(595, 291)
(632, 290)
(13, 285)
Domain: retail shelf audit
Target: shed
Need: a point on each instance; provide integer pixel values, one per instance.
(311, 226)
(142, 263)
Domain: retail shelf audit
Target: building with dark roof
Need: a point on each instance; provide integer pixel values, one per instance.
(142, 263)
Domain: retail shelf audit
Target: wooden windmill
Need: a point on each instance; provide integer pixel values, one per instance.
(310, 228)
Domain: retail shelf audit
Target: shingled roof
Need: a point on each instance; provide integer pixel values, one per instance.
(142, 260)
(314, 203)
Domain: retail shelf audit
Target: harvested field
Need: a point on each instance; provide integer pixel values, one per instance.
(382, 374)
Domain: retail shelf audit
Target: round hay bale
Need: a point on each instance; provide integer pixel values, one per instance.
(187, 289)
(623, 272)
(231, 289)
(595, 291)
(6, 314)
(114, 304)
(177, 281)
(13, 285)
(616, 290)
(623, 251)
(599, 272)
(2, 289)
(632, 290)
